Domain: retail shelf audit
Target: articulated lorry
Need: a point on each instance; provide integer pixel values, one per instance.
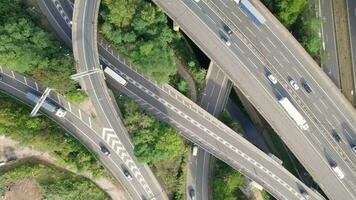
(50, 107)
(294, 113)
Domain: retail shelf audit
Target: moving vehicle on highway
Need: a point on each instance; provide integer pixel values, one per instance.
(104, 149)
(192, 193)
(305, 194)
(306, 87)
(294, 113)
(250, 9)
(227, 29)
(195, 150)
(272, 78)
(47, 105)
(115, 76)
(127, 174)
(226, 40)
(354, 148)
(337, 170)
(294, 84)
(337, 137)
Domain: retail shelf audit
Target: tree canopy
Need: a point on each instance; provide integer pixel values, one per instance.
(139, 30)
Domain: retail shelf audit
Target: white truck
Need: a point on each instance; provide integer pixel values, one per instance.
(60, 112)
(337, 170)
(294, 113)
(115, 76)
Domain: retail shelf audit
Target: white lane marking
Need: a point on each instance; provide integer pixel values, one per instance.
(348, 133)
(269, 40)
(1, 70)
(324, 104)
(258, 28)
(251, 32)
(238, 48)
(69, 107)
(284, 56)
(299, 74)
(254, 65)
(317, 107)
(210, 19)
(236, 16)
(80, 114)
(277, 61)
(89, 118)
(264, 46)
(36, 86)
(329, 123)
(316, 82)
(24, 78)
(336, 119)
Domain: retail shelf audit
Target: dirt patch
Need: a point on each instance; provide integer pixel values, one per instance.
(23, 190)
(343, 47)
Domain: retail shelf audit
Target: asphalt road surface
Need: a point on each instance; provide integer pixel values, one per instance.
(331, 64)
(214, 99)
(203, 129)
(351, 13)
(89, 132)
(259, 50)
(144, 185)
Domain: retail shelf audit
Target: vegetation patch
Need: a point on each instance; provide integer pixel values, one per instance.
(45, 135)
(156, 144)
(52, 183)
(26, 47)
(299, 17)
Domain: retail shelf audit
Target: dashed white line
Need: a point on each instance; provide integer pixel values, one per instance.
(254, 65)
(264, 46)
(239, 48)
(236, 16)
(251, 32)
(317, 107)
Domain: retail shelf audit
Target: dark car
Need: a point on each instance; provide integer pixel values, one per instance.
(0, 77)
(192, 194)
(337, 137)
(104, 149)
(227, 29)
(306, 87)
(305, 194)
(127, 174)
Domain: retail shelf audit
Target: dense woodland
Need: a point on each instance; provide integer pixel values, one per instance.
(45, 135)
(27, 47)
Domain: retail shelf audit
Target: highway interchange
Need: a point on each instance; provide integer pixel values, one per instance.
(292, 185)
(252, 59)
(85, 52)
(247, 62)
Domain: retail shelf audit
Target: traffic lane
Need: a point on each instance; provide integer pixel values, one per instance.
(351, 5)
(219, 56)
(259, 34)
(145, 104)
(71, 119)
(331, 64)
(86, 42)
(153, 108)
(288, 74)
(56, 20)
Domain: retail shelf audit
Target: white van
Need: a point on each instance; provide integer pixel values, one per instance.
(195, 150)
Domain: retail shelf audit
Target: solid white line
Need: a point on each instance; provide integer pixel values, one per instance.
(80, 114)
(36, 85)
(89, 118)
